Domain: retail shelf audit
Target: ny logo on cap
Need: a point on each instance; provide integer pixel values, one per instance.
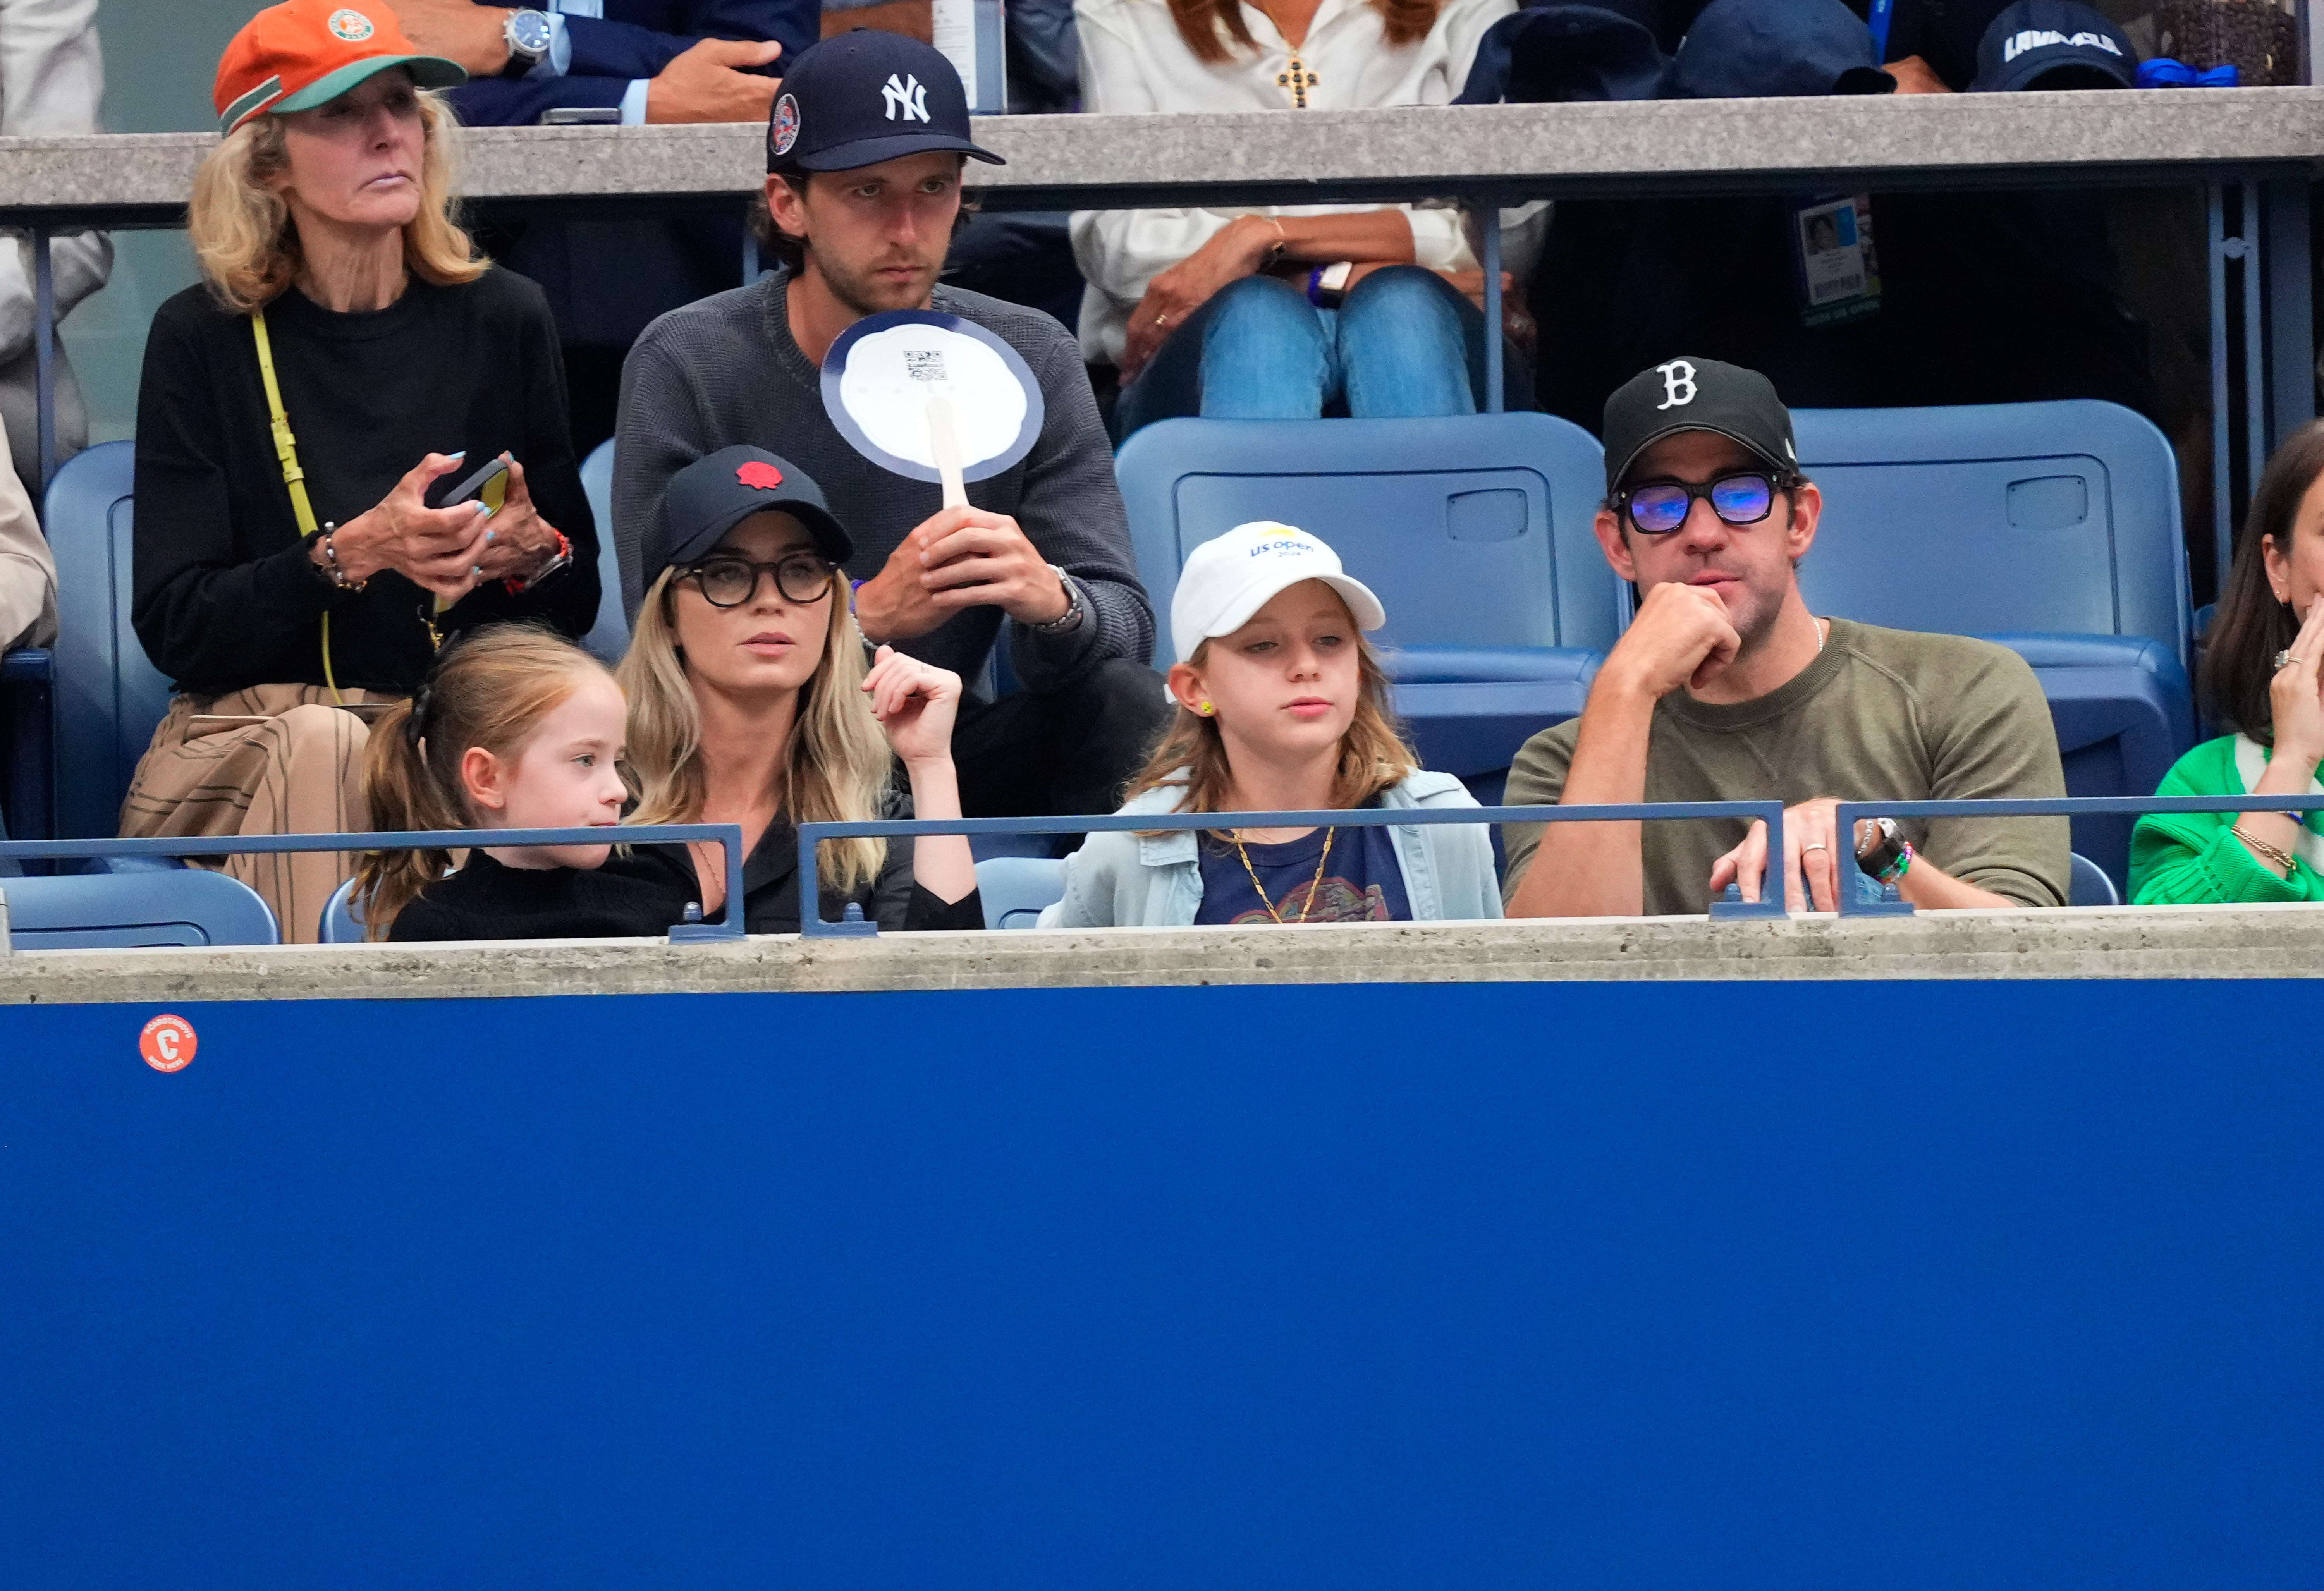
(906, 101)
(1678, 384)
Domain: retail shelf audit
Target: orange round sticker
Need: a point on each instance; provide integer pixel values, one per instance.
(168, 1043)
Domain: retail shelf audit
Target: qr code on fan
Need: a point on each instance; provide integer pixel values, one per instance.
(924, 365)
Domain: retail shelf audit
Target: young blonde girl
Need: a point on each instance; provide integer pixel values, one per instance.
(514, 728)
(1282, 707)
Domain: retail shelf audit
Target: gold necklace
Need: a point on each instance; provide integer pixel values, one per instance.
(1260, 890)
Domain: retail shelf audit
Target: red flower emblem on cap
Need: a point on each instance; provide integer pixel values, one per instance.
(760, 473)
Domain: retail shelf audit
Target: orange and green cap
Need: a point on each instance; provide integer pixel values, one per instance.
(304, 53)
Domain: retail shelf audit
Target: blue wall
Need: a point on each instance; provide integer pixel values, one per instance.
(1649, 1285)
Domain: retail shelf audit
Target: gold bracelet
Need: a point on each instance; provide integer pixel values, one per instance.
(1282, 238)
(2273, 853)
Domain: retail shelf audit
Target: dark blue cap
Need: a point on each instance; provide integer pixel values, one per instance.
(1751, 48)
(1560, 53)
(712, 495)
(2035, 38)
(858, 98)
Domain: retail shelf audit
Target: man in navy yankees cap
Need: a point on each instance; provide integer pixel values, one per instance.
(866, 148)
(1727, 687)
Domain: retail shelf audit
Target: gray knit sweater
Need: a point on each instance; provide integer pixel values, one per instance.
(725, 371)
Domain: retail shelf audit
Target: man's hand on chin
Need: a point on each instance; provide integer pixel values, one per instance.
(1682, 636)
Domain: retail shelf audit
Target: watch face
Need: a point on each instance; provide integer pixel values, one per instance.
(530, 31)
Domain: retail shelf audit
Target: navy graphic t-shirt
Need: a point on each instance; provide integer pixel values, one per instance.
(1362, 882)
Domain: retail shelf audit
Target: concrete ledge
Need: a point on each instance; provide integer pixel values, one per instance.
(1519, 151)
(2110, 943)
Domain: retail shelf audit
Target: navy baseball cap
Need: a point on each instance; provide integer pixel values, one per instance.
(1750, 48)
(860, 97)
(2036, 38)
(712, 495)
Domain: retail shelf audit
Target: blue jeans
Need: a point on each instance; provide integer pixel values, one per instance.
(1401, 345)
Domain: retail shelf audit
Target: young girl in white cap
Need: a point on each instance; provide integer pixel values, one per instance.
(1282, 707)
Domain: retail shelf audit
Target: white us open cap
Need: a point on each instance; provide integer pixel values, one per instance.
(1231, 578)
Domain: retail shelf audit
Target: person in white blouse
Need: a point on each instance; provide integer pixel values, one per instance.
(51, 77)
(1269, 313)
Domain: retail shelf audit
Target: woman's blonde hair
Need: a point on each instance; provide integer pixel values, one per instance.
(490, 688)
(835, 769)
(1373, 755)
(241, 228)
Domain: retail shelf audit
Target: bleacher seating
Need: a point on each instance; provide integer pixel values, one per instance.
(1014, 889)
(341, 923)
(1475, 531)
(107, 696)
(609, 638)
(2051, 528)
(119, 911)
(2091, 885)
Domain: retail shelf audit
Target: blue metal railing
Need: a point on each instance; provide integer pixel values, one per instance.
(812, 923)
(728, 837)
(1845, 815)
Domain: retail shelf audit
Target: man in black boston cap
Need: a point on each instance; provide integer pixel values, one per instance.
(865, 150)
(1726, 688)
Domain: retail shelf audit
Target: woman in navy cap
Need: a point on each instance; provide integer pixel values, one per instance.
(750, 703)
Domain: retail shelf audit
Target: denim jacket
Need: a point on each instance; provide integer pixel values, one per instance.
(1131, 881)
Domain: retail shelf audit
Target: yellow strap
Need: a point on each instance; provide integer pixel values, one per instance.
(286, 449)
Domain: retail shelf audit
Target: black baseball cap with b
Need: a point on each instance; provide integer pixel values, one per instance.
(714, 493)
(860, 97)
(1697, 395)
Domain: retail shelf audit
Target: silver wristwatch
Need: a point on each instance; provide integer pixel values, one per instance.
(529, 35)
(1069, 620)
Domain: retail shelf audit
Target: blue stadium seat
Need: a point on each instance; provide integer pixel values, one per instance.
(2091, 886)
(121, 911)
(2051, 528)
(609, 638)
(341, 925)
(1014, 889)
(107, 696)
(1475, 531)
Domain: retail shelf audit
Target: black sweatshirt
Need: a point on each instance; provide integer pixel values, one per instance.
(485, 900)
(771, 895)
(225, 595)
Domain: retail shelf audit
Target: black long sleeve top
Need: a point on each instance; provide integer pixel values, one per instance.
(226, 596)
(487, 900)
(895, 900)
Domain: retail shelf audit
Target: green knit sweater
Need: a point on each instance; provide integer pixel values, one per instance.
(2182, 856)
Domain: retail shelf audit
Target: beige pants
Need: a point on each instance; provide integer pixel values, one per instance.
(272, 759)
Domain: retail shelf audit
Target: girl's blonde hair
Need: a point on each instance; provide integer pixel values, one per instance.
(835, 769)
(1373, 755)
(490, 688)
(241, 227)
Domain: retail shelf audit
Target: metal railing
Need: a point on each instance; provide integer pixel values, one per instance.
(728, 837)
(813, 925)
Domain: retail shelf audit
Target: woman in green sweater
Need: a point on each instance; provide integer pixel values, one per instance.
(2263, 674)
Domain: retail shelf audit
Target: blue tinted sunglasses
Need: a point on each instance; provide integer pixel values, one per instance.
(1657, 508)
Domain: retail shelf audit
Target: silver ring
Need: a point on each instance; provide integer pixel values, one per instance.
(1806, 849)
(2284, 658)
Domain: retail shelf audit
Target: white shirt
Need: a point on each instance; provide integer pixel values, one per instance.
(1134, 60)
(52, 77)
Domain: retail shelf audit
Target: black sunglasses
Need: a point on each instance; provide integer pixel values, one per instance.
(1657, 508)
(726, 581)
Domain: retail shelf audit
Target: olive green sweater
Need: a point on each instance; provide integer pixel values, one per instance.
(2180, 857)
